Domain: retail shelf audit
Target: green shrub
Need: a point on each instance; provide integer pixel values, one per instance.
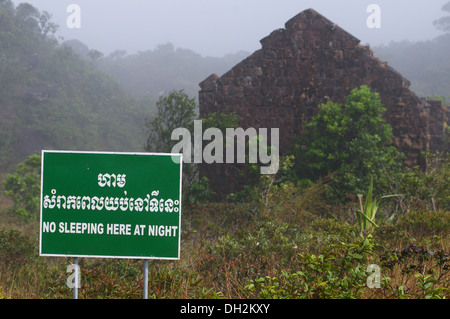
(123, 279)
(351, 142)
(338, 272)
(420, 271)
(422, 224)
(2, 294)
(24, 187)
(429, 189)
(272, 237)
(330, 230)
(15, 250)
(267, 247)
(271, 247)
(198, 192)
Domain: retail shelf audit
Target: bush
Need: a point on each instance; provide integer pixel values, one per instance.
(15, 250)
(198, 192)
(351, 142)
(419, 271)
(338, 272)
(176, 110)
(24, 187)
(123, 279)
(232, 260)
(330, 230)
(422, 224)
(2, 294)
(429, 189)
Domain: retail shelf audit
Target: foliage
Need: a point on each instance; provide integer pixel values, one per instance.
(336, 273)
(15, 250)
(420, 224)
(198, 191)
(123, 279)
(228, 253)
(425, 189)
(422, 271)
(422, 227)
(261, 188)
(367, 212)
(176, 110)
(269, 246)
(426, 284)
(23, 274)
(222, 121)
(351, 142)
(444, 22)
(23, 188)
(424, 63)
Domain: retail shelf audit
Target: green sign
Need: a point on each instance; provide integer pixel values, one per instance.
(117, 205)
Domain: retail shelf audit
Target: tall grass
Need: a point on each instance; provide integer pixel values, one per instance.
(226, 248)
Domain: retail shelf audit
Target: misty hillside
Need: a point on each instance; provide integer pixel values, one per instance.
(59, 96)
(50, 98)
(153, 72)
(426, 64)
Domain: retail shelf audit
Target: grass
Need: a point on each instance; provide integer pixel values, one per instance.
(229, 251)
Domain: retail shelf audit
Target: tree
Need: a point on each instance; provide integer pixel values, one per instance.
(350, 142)
(176, 110)
(28, 17)
(46, 25)
(444, 22)
(23, 188)
(94, 55)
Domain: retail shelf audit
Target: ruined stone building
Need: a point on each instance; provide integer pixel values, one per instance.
(310, 61)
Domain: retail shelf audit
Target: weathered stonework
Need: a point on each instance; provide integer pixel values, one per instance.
(310, 61)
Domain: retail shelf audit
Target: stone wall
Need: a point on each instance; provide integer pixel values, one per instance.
(437, 117)
(310, 61)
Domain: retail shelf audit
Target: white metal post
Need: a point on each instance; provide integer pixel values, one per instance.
(77, 277)
(145, 290)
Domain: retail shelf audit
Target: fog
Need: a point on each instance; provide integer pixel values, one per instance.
(216, 28)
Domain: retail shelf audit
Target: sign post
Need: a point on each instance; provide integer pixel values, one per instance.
(76, 270)
(145, 286)
(111, 205)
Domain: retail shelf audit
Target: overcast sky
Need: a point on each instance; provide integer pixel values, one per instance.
(219, 27)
